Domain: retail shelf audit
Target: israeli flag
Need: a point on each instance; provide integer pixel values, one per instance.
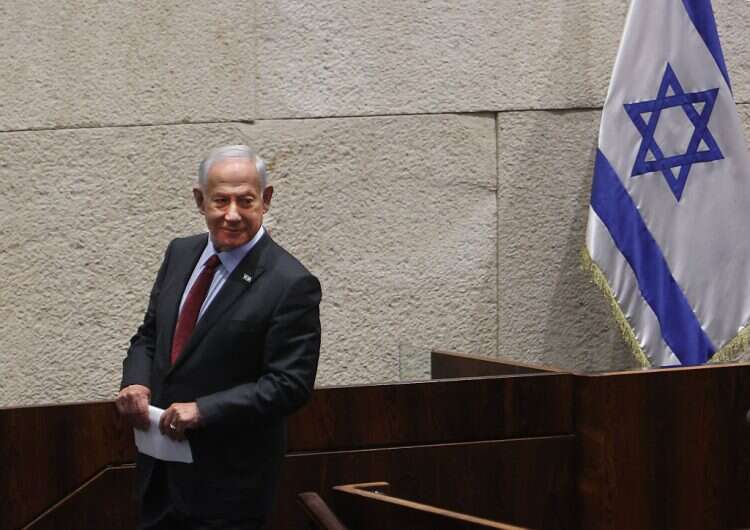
(667, 236)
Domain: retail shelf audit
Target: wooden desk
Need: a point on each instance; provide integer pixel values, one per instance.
(537, 448)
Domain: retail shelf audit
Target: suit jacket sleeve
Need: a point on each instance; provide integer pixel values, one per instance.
(136, 367)
(290, 360)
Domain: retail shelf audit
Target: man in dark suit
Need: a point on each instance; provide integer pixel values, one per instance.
(228, 347)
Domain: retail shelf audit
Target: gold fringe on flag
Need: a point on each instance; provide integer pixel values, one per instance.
(626, 330)
(733, 348)
(728, 353)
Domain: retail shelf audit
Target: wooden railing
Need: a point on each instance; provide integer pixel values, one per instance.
(319, 513)
(370, 507)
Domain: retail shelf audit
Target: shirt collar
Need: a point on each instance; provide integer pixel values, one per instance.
(231, 258)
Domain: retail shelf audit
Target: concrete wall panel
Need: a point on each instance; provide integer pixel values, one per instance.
(86, 217)
(89, 63)
(548, 309)
(345, 57)
(744, 110)
(395, 215)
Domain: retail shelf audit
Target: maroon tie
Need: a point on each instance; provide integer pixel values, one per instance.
(192, 306)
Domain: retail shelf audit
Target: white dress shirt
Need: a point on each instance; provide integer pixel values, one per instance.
(229, 261)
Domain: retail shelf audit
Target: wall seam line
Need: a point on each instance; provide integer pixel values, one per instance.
(497, 237)
(303, 118)
(256, 70)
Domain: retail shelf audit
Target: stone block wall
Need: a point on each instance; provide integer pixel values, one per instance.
(432, 164)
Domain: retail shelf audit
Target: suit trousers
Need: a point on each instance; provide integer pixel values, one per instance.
(158, 513)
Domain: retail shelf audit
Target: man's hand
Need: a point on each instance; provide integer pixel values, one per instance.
(132, 404)
(178, 418)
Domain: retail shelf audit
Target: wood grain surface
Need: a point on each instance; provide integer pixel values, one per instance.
(527, 482)
(491, 408)
(664, 449)
(105, 502)
(631, 450)
(50, 451)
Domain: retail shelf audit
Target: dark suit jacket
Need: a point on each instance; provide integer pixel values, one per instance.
(250, 362)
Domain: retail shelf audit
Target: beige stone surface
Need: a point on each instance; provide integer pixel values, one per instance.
(407, 256)
(733, 24)
(89, 63)
(745, 116)
(548, 309)
(395, 215)
(346, 57)
(84, 63)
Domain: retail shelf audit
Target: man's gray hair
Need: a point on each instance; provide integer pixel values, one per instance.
(232, 151)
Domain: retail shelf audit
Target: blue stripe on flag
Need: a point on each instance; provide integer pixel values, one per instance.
(702, 15)
(679, 326)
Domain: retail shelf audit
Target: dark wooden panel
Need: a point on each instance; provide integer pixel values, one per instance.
(105, 502)
(434, 412)
(69, 444)
(524, 481)
(52, 450)
(658, 449)
(739, 432)
(664, 449)
(446, 365)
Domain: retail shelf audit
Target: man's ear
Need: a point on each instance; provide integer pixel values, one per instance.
(267, 195)
(199, 199)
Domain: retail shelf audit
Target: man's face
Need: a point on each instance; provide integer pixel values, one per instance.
(232, 202)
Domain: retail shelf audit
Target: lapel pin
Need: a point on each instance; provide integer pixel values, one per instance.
(247, 277)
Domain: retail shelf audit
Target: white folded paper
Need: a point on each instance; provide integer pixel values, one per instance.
(154, 443)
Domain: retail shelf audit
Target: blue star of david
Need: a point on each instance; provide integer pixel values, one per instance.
(699, 119)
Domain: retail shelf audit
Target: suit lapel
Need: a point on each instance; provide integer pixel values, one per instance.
(172, 295)
(242, 278)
